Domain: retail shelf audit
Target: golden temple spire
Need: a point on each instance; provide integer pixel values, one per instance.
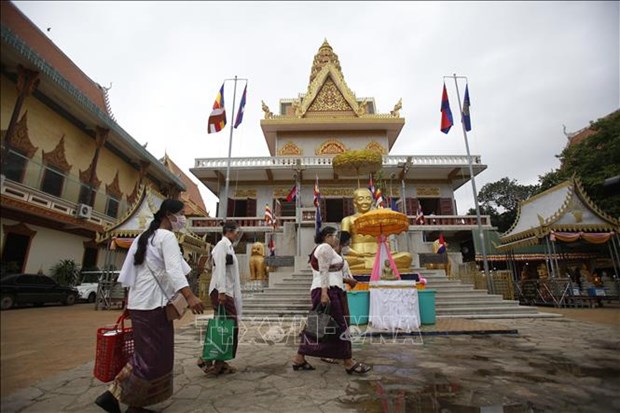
(325, 55)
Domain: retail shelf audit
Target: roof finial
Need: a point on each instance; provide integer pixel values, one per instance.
(325, 55)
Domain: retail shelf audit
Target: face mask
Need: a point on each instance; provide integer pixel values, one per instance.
(179, 224)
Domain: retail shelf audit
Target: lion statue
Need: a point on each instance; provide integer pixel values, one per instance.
(258, 269)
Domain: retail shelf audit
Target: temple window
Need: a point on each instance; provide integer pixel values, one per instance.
(87, 195)
(111, 208)
(52, 181)
(15, 167)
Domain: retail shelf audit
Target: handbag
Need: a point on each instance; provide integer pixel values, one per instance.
(320, 325)
(115, 345)
(176, 305)
(219, 337)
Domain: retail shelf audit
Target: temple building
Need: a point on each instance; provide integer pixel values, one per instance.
(303, 135)
(69, 170)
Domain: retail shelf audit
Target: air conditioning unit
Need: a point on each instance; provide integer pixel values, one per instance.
(84, 211)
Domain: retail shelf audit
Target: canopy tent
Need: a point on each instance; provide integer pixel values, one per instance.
(563, 213)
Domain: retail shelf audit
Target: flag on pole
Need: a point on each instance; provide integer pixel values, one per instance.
(371, 187)
(466, 104)
(392, 202)
(379, 198)
(317, 193)
(217, 119)
(317, 204)
(446, 113)
(419, 216)
(268, 216)
(272, 246)
(442, 245)
(292, 195)
(241, 108)
(278, 212)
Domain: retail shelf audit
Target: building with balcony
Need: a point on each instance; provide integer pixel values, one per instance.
(68, 169)
(303, 137)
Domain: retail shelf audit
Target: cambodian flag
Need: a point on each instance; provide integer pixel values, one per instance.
(292, 195)
(466, 104)
(442, 245)
(446, 113)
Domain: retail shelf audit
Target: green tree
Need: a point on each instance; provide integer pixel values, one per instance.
(593, 160)
(66, 272)
(500, 200)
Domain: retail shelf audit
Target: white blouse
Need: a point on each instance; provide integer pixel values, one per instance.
(326, 256)
(164, 258)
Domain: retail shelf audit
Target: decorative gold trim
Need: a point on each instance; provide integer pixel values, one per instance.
(329, 98)
(290, 148)
(85, 176)
(331, 147)
(114, 188)
(377, 147)
(21, 140)
(329, 70)
(57, 158)
(245, 193)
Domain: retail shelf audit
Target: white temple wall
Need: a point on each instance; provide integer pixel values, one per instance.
(310, 142)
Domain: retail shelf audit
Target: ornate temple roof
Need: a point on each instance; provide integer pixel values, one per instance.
(324, 55)
(194, 204)
(565, 207)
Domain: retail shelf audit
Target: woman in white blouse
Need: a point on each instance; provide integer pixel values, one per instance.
(327, 288)
(147, 377)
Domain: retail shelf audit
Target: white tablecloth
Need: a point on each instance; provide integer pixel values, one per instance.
(394, 306)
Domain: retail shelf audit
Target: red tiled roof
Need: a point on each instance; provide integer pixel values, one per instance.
(12, 18)
(194, 204)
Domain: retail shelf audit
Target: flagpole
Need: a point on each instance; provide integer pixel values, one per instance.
(490, 284)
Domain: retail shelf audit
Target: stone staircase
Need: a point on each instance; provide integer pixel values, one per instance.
(290, 298)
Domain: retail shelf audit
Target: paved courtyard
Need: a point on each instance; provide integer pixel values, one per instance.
(518, 365)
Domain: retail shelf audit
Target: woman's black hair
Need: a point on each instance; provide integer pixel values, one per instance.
(320, 237)
(229, 226)
(345, 236)
(168, 206)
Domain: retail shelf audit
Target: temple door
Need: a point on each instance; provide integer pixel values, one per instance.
(446, 206)
(412, 205)
(251, 209)
(347, 207)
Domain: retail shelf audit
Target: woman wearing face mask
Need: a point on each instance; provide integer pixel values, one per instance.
(147, 377)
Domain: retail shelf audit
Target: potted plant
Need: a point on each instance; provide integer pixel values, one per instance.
(66, 272)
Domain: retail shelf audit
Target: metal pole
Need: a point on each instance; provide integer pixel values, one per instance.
(224, 213)
(490, 284)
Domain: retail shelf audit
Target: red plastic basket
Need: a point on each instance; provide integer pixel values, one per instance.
(114, 347)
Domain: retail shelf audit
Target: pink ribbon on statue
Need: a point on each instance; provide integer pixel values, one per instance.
(383, 253)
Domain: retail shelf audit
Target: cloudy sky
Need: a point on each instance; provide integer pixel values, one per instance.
(532, 68)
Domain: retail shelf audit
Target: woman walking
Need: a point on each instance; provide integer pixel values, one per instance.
(225, 290)
(327, 288)
(147, 378)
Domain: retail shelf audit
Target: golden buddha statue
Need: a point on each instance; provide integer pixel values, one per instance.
(361, 254)
(386, 273)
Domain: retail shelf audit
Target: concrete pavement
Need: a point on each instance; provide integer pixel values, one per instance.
(516, 365)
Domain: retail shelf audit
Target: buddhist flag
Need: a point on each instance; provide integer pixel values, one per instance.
(272, 247)
(217, 119)
(379, 198)
(268, 215)
(241, 108)
(466, 104)
(446, 113)
(292, 195)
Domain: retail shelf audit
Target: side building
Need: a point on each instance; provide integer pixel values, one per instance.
(68, 169)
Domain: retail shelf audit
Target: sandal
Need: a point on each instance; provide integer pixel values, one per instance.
(303, 366)
(228, 369)
(359, 368)
(329, 360)
(205, 365)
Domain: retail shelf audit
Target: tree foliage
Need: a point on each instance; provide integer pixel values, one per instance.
(593, 160)
(500, 200)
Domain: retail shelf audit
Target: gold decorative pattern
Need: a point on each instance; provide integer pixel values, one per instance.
(377, 147)
(20, 139)
(397, 107)
(331, 147)
(290, 149)
(85, 176)
(245, 193)
(427, 192)
(324, 55)
(56, 157)
(131, 198)
(114, 188)
(268, 113)
(329, 98)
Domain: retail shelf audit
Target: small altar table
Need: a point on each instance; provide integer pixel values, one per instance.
(394, 306)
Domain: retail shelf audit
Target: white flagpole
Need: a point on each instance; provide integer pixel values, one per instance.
(490, 285)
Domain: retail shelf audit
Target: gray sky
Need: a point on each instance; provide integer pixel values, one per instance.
(532, 67)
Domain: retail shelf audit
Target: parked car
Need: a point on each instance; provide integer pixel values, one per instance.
(35, 289)
(87, 289)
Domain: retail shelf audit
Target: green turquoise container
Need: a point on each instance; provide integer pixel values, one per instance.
(426, 299)
(359, 305)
